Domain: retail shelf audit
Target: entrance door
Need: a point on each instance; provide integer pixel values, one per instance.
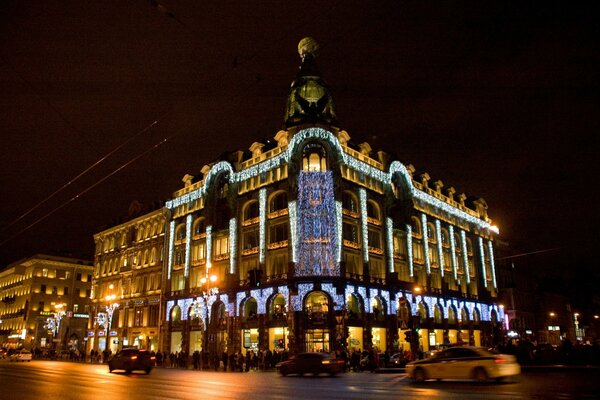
(317, 340)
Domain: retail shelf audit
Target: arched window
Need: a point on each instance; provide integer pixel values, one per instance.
(437, 314)
(416, 227)
(353, 306)
(153, 256)
(251, 308)
(314, 158)
(199, 227)
(494, 316)
(251, 212)
(451, 315)
(464, 315)
(176, 314)
(379, 311)
(349, 203)
(278, 202)
(180, 232)
(277, 308)
(422, 313)
(373, 211)
(317, 306)
(476, 316)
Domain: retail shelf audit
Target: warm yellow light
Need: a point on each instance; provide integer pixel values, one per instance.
(111, 286)
(552, 314)
(501, 305)
(417, 289)
(576, 314)
(213, 278)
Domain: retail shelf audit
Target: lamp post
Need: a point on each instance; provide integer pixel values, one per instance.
(111, 306)
(206, 293)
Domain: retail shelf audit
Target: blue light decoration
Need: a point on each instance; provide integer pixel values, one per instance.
(261, 296)
(482, 258)
(296, 301)
(171, 243)
(491, 251)
(188, 242)
(363, 223)
(425, 231)
(463, 239)
(389, 232)
(438, 234)
(453, 251)
(293, 229)
(232, 244)
(409, 250)
(317, 227)
(262, 213)
(338, 299)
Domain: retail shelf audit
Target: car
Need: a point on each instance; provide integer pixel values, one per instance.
(397, 360)
(130, 360)
(311, 363)
(464, 362)
(21, 355)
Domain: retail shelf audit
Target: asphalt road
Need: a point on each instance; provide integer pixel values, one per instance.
(73, 381)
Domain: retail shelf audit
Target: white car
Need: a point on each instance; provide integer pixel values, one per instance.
(21, 355)
(464, 362)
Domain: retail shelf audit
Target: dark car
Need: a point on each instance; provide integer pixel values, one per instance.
(311, 363)
(132, 360)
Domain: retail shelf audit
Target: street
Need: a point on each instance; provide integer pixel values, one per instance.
(75, 381)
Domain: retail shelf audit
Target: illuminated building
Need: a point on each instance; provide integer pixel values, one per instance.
(127, 281)
(317, 244)
(38, 292)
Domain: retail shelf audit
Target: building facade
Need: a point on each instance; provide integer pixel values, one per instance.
(312, 243)
(126, 298)
(45, 303)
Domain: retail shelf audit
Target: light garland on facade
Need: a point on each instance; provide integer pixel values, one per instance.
(208, 247)
(339, 225)
(317, 227)
(482, 258)
(363, 223)
(261, 296)
(262, 213)
(171, 242)
(463, 239)
(188, 242)
(409, 250)
(303, 289)
(492, 264)
(389, 232)
(440, 250)
(293, 229)
(338, 299)
(453, 251)
(232, 244)
(425, 231)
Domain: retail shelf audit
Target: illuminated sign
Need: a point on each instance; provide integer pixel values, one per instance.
(90, 333)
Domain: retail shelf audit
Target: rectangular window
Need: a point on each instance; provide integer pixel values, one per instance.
(43, 289)
(153, 315)
(78, 277)
(250, 240)
(66, 291)
(278, 233)
(88, 293)
(75, 308)
(139, 317)
(77, 292)
(41, 306)
(221, 246)
(89, 277)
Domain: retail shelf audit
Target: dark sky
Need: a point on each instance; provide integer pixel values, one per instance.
(498, 100)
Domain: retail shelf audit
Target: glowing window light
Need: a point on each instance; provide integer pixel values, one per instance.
(425, 242)
(389, 225)
(293, 229)
(171, 243)
(188, 242)
(317, 227)
(438, 234)
(339, 218)
(463, 240)
(492, 264)
(363, 223)
(409, 250)
(208, 247)
(453, 251)
(262, 207)
(232, 244)
(482, 258)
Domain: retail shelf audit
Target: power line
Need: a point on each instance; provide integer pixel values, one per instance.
(528, 253)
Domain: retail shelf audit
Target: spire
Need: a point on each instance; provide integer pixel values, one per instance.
(309, 101)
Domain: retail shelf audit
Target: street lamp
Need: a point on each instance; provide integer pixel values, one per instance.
(206, 294)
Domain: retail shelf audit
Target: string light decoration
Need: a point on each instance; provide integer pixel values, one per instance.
(425, 231)
(293, 229)
(171, 242)
(317, 227)
(492, 264)
(389, 228)
(438, 235)
(208, 247)
(232, 244)
(339, 219)
(463, 239)
(262, 213)
(338, 299)
(453, 251)
(296, 300)
(482, 258)
(362, 198)
(409, 250)
(188, 243)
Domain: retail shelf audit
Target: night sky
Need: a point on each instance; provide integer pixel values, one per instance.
(499, 101)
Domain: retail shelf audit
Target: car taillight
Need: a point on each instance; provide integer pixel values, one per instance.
(499, 360)
(153, 358)
(134, 357)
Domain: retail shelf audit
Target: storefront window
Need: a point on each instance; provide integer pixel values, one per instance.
(317, 340)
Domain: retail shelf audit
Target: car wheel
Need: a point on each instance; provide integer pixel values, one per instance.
(480, 375)
(419, 375)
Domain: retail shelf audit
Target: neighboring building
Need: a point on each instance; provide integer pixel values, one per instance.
(34, 291)
(128, 265)
(317, 245)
